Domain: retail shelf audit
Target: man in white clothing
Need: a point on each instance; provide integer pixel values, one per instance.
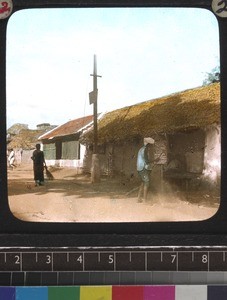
(11, 159)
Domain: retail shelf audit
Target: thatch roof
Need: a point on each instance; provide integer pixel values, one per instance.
(190, 109)
(16, 128)
(25, 139)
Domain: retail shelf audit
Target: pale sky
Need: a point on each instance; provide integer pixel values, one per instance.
(142, 54)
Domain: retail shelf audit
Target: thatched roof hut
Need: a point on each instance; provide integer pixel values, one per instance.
(16, 128)
(25, 139)
(190, 109)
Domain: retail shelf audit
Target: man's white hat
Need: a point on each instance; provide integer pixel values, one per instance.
(148, 140)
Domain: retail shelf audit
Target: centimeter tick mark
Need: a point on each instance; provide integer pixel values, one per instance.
(52, 261)
(177, 261)
(145, 261)
(208, 261)
(21, 262)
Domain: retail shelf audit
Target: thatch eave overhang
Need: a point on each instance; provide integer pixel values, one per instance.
(191, 109)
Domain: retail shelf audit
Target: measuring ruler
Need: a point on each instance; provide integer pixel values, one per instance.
(58, 265)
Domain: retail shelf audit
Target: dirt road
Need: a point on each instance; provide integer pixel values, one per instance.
(73, 198)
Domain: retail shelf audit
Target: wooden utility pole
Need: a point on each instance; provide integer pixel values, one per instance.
(93, 98)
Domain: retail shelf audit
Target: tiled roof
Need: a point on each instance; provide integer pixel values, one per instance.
(71, 127)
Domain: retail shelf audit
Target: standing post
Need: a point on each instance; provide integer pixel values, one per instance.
(93, 97)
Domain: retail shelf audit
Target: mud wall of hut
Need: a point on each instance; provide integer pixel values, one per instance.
(26, 156)
(125, 156)
(191, 152)
(115, 159)
(187, 149)
(212, 156)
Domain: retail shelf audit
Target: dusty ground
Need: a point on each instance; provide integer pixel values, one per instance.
(73, 198)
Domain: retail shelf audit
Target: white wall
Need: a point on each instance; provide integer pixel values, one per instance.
(212, 154)
(68, 163)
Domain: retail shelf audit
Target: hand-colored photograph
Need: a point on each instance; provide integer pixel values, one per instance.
(113, 115)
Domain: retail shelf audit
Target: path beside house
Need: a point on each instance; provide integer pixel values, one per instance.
(72, 198)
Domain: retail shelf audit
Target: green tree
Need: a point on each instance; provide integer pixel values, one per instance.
(212, 76)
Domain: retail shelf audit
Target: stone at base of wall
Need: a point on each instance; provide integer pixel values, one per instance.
(95, 169)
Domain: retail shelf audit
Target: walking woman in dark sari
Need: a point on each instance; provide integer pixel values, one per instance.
(38, 165)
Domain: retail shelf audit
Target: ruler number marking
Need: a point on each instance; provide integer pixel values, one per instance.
(80, 259)
(204, 258)
(174, 256)
(111, 259)
(48, 259)
(17, 259)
